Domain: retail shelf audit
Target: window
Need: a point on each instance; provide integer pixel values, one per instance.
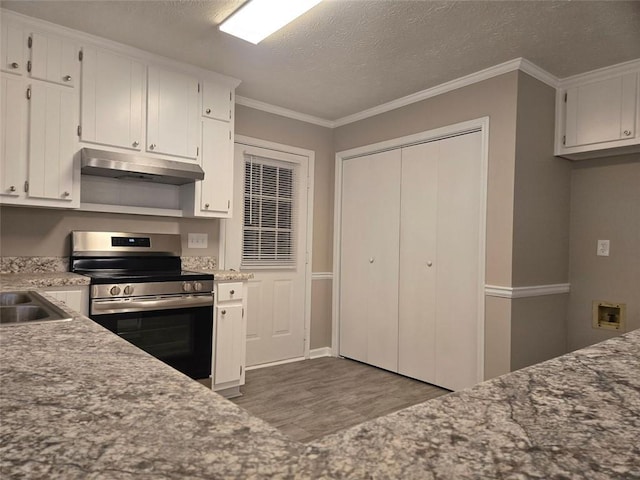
(268, 234)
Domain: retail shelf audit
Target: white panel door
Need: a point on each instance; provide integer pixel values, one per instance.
(271, 228)
(51, 142)
(369, 259)
(54, 59)
(418, 265)
(215, 191)
(13, 148)
(173, 120)
(112, 101)
(458, 261)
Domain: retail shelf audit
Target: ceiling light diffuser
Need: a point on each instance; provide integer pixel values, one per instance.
(257, 19)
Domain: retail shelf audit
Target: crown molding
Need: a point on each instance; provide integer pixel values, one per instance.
(601, 73)
(536, 72)
(283, 112)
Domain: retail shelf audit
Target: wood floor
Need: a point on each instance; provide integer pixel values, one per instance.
(310, 399)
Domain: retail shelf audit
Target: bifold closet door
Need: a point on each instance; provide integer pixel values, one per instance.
(369, 259)
(440, 261)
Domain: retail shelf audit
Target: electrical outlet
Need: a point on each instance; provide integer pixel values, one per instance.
(603, 248)
(198, 240)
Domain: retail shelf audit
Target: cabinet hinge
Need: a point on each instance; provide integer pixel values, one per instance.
(30, 42)
(198, 88)
(29, 93)
(29, 66)
(565, 97)
(229, 114)
(242, 312)
(80, 55)
(197, 151)
(228, 203)
(240, 370)
(229, 134)
(230, 96)
(26, 186)
(564, 139)
(79, 130)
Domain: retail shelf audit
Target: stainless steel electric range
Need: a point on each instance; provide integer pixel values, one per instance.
(139, 291)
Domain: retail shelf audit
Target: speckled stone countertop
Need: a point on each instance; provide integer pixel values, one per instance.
(77, 401)
(30, 281)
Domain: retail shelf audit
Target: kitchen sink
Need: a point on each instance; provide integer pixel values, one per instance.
(22, 308)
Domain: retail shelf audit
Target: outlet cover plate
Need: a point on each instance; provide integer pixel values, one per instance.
(198, 240)
(603, 248)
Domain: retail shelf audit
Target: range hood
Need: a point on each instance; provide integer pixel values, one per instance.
(133, 167)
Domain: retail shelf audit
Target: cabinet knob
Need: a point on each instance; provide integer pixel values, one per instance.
(232, 292)
(152, 146)
(135, 143)
(371, 260)
(206, 205)
(65, 194)
(627, 133)
(67, 78)
(15, 65)
(429, 263)
(223, 312)
(12, 188)
(208, 111)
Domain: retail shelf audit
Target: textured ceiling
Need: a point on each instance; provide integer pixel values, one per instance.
(345, 56)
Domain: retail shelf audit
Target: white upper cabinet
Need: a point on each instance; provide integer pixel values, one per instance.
(13, 147)
(217, 162)
(173, 120)
(52, 142)
(53, 58)
(12, 48)
(112, 99)
(217, 101)
(598, 115)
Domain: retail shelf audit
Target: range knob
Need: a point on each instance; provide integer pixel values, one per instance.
(187, 287)
(128, 290)
(115, 290)
(197, 286)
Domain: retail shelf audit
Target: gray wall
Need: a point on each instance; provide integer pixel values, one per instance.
(45, 232)
(605, 204)
(540, 228)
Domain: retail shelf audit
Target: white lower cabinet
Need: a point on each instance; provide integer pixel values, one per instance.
(229, 333)
(76, 298)
(410, 264)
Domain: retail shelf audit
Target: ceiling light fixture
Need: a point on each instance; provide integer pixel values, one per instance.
(257, 19)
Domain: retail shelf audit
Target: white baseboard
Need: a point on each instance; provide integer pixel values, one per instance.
(320, 352)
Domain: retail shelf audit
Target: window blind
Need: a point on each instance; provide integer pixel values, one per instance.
(270, 213)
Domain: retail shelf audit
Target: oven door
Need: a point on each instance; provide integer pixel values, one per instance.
(180, 337)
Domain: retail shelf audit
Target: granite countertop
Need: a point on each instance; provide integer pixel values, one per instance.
(77, 401)
(30, 281)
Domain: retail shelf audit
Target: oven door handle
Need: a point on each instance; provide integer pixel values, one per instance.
(103, 307)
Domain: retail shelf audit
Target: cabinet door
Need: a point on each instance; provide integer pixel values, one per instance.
(217, 163)
(111, 104)
(369, 259)
(418, 265)
(13, 148)
(76, 299)
(229, 344)
(12, 48)
(172, 113)
(53, 58)
(216, 101)
(602, 111)
(51, 142)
